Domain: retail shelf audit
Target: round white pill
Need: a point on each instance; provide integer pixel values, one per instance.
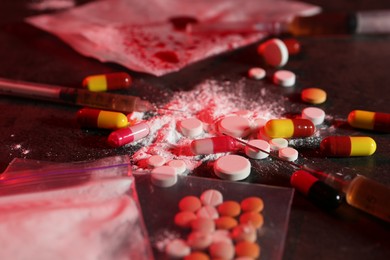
(221, 235)
(199, 240)
(278, 143)
(191, 127)
(237, 126)
(232, 167)
(177, 248)
(155, 161)
(207, 211)
(274, 52)
(288, 154)
(256, 73)
(257, 154)
(211, 197)
(164, 176)
(314, 114)
(284, 78)
(179, 165)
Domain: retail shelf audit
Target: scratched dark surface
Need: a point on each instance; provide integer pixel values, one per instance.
(354, 70)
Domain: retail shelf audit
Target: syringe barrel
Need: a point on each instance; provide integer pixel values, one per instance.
(337, 180)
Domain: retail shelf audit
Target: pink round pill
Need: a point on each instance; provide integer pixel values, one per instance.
(288, 154)
(314, 114)
(236, 126)
(284, 78)
(232, 167)
(191, 127)
(211, 197)
(207, 212)
(255, 153)
(177, 248)
(164, 176)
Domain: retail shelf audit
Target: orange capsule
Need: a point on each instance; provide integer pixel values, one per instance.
(370, 120)
(96, 118)
(110, 81)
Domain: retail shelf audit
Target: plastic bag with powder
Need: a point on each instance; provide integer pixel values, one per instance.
(71, 211)
(147, 36)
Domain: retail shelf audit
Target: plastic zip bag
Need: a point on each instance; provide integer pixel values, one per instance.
(85, 210)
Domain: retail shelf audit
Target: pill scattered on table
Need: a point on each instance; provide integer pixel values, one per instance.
(155, 161)
(289, 154)
(313, 95)
(284, 78)
(278, 143)
(217, 144)
(191, 127)
(346, 146)
(128, 135)
(164, 176)
(256, 73)
(110, 81)
(370, 120)
(287, 128)
(232, 167)
(96, 118)
(236, 126)
(274, 52)
(314, 114)
(255, 153)
(179, 165)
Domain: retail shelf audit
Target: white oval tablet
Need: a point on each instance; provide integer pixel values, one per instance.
(278, 143)
(211, 197)
(232, 167)
(237, 126)
(257, 154)
(274, 52)
(284, 78)
(155, 161)
(177, 248)
(164, 176)
(179, 165)
(256, 73)
(191, 127)
(288, 153)
(314, 114)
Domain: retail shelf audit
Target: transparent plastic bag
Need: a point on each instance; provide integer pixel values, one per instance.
(86, 210)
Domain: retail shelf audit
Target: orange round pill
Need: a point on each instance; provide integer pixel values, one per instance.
(190, 203)
(221, 250)
(253, 218)
(247, 249)
(184, 218)
(203, 224)
(255, 204)
(313, 95)
(229, 208)
(197, 256)
(225, 222)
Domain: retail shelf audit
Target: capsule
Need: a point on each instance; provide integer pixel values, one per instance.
(346, 146)
(218, 144)
(110, 81)
(370, 120)
(96, 118)
(128, 135)
(287, 128)
(317, 191)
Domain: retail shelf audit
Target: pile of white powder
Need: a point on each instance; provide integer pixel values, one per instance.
(209, 102)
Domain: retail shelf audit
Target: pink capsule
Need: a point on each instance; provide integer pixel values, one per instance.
(128, 135)
(219, 144)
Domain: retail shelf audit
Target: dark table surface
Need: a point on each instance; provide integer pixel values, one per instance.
(354, 70)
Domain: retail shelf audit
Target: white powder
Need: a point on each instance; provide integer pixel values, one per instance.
(209, 102)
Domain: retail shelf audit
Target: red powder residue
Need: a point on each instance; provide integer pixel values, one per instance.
(167, 56)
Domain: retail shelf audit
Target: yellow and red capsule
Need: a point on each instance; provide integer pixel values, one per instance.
(110, 81)
(287, 128)
(96, 118)
(346, 146)
(370, 120)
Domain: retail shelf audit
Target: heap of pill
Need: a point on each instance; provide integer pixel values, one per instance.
(232, 234)
(110, 81)
(370, 120)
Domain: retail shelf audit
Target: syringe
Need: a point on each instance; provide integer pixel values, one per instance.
(361, 192)
(101, 100)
